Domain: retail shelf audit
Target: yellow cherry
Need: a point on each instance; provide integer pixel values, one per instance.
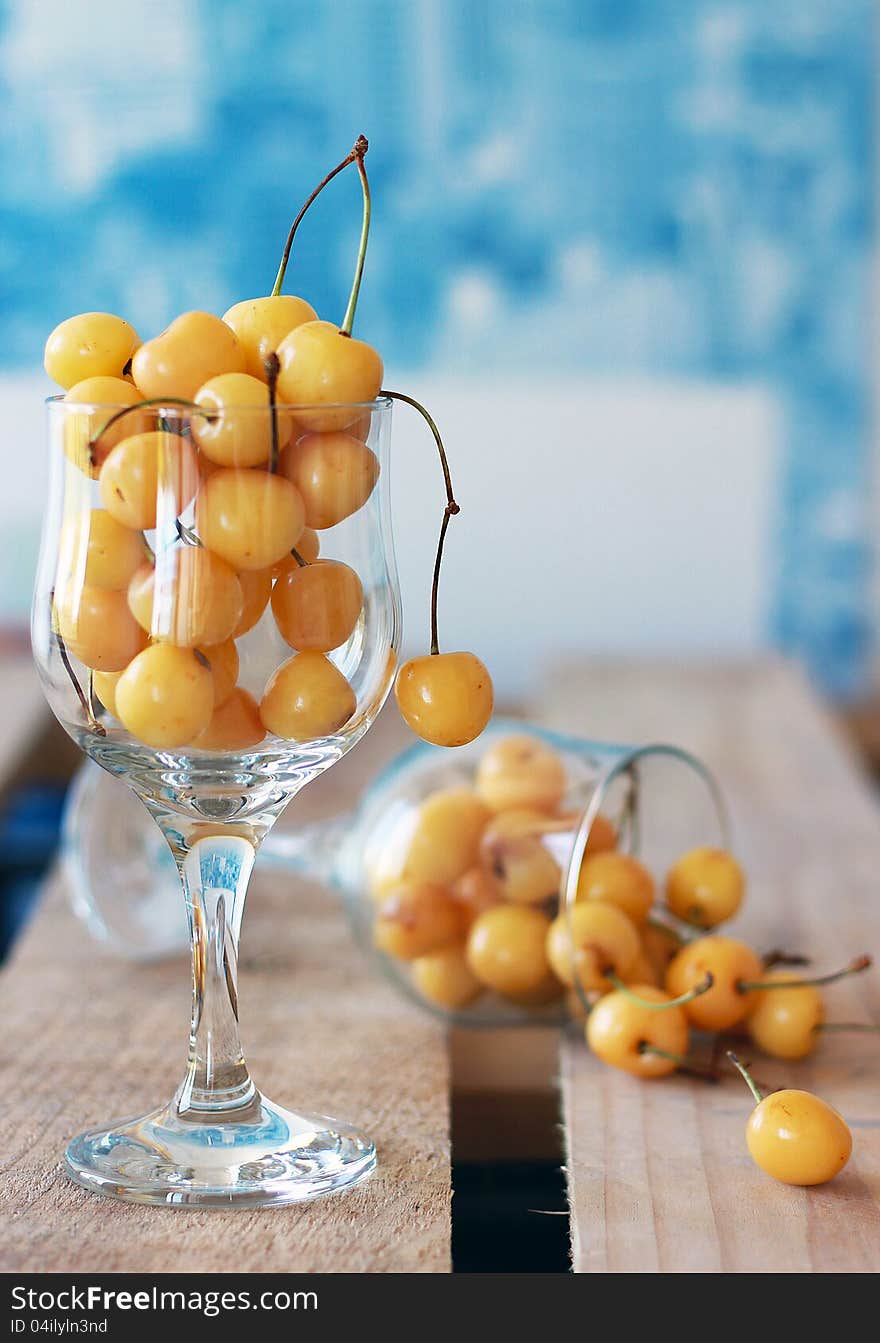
(165, 697)
(784, 1024)
(104, 687)
(237, 427)
(195, 347)
(521, 771)
(96, 550)
(250, 518)
(307, 548)
(603, 836)
(798, 1138)
(445, 978)
(139, 595)
(624, 1033)
(506, 949)
(705, 887)
(446, 698)
(335, 474)
(262, 323)
(86, 442)
(235, 725)
(476, 891)
(619, 880)
(97, 627)
(316, 606)
(329, 373)
(795, 1136)
(512, 850)
(148, 477)
(90, 345)
(223, 661)
(660, 945)
(360, 428)
(307, 697)
(256, 589)
(193, 598)
(587, 941)
(730, 962)
(436, 844)
(642, 971)
(416, 918)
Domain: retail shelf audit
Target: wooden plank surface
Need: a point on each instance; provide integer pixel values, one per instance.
(659, 1176)
(88, 1037)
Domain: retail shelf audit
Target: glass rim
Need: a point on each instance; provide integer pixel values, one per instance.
(159, 407)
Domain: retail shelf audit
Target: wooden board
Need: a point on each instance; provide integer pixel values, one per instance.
(659, 1176)
(88, 1038)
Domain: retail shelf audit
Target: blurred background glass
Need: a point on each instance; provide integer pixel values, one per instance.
(621, 248)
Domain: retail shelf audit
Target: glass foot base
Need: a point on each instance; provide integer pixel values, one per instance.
(260, 1157)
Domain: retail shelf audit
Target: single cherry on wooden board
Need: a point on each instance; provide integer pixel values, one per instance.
(795, 1136)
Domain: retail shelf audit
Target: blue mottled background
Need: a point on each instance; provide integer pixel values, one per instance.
(570, 194)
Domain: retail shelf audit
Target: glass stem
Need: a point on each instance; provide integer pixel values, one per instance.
(215, 872)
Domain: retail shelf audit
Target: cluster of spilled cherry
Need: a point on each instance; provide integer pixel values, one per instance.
(470, 899)
(257, 423)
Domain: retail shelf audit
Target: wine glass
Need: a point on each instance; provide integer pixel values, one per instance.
(119, 608)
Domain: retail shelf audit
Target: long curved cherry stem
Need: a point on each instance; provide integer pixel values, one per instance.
(141, 405)
(451, 506)
(348, 320)
(696, 992)
(94, 725)
(272, 365)
(360, 147)
(435, 580)
(758, 985)
(682, 1062)
(746, 1076)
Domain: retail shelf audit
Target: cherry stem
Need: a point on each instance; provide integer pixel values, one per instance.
(360, 150)
(186, 534)
(140, 405)
(449, 512)
(672, 933)
(779, 957)
(681, 1061)
(303, 564)
(92, 721)
(746, 1076)
(90, 695)
(360, 146)
(272, 365)
(696, 992)
(759, 985)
